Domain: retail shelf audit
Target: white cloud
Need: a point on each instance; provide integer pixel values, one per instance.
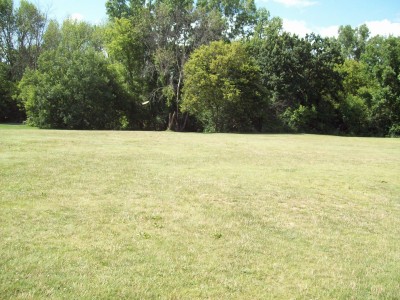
(77, 17)
(297, 27)
(296, 3)
(384, 27)
(330, 31)
(301, 28)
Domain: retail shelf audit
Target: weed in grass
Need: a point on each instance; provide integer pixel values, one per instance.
(217, 235)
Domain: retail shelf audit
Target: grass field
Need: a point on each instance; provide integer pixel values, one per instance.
(162, 215)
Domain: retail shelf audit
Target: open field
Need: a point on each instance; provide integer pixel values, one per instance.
(162, 215)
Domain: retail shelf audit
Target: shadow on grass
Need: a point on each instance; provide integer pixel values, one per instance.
(16, 126)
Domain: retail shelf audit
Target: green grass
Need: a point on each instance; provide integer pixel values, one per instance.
(16, 126)
(162, 215)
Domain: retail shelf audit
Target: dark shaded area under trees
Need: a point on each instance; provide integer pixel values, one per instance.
(209, 65)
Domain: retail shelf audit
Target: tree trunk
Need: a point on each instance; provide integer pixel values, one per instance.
(185, 122)
(171, 120)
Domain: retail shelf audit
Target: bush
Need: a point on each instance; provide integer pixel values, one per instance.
(78, 92)
(394, 131)
(301, 119)
(221, 88)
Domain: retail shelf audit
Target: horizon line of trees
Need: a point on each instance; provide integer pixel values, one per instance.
(206, 65)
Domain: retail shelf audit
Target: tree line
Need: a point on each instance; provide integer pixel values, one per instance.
(184, 65)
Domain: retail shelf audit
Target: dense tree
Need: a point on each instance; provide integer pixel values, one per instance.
(21, 38)
(382, 57)
(21, 35)
(370, 101)
(218, 65)
(359, 87)
(222, 88)
(7, 33)
(300, 78)
(353, 41)
(74, 86)
(240, 16)
(30, 24)
(117, 8)
(9, 110)
(52, 36)
(324, 83)
(169, 31)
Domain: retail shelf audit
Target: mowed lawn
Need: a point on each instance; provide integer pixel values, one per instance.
(162, 215)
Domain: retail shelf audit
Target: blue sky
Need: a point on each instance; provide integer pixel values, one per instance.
(300, 16)
(325, 16)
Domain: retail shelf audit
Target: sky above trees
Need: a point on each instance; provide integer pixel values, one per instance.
(299, 16)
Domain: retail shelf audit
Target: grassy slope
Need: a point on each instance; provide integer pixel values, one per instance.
(164, 215)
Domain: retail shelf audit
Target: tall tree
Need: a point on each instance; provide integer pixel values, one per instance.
(359, 87)
(21, 38)
(7, 32)
(382, 57)
(300, 77)
(353, 41)
(240, 15)
(172, 30)
(154, 41)
(31, 24)
(21, 35)
(117, 8)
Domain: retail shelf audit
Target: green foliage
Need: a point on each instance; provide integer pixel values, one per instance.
(356, 77)
(124, 8)
(21, 37)
(155, 39)
(77, 93)
(126, 45)
(359, 87)
(7, 26)
(74, 87)
(353, 41)
(298, 73)
(387, 71)
(240, 16)
(30, 24)
(221, 87)
(300, 119)
(371, 88)
(394, 131)
(52, 36)
(117, 8)
(9, 110)
(355, 115)
(344, 85)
